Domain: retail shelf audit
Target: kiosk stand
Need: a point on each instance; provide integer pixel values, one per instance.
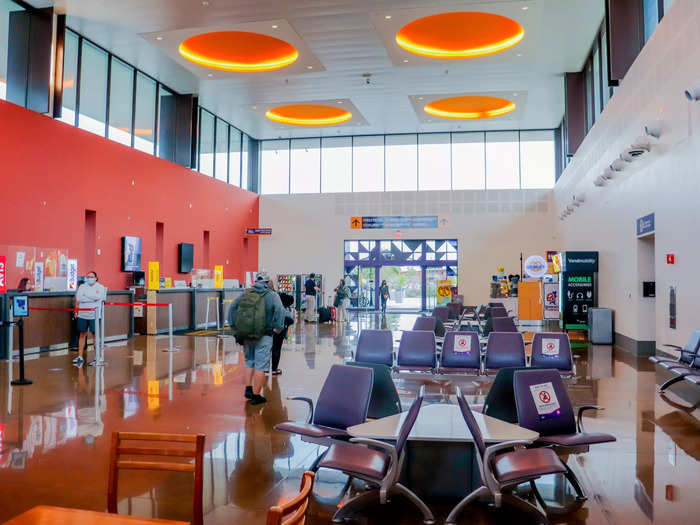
(578, 291)
(20, 309)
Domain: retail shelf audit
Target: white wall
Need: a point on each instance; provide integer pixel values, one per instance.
(492, 227)
(665, 181)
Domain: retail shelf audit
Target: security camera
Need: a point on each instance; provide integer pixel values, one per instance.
(599, 181)
(653, 129)
(693, 94)
(642, 142)
(580, 199)
(631, 154)
(608, 173)
(569, 208)
(618, 165)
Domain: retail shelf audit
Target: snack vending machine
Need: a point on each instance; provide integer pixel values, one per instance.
(302, 290)
(287, 283)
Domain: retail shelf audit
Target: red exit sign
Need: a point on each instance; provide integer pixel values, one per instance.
(670, 258)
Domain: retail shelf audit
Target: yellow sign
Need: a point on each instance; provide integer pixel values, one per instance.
(218, 276)
(153, 275)
(168, 282)
(355, 223)
(444, 292)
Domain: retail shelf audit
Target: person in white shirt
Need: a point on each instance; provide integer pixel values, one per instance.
(90, 294)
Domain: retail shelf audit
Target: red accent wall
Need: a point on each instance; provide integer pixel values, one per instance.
(51, 172)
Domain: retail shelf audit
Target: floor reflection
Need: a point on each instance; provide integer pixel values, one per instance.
(54, 435)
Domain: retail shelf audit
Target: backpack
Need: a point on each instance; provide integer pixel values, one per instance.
(250, 316)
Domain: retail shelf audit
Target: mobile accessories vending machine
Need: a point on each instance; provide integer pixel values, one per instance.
(578, 290)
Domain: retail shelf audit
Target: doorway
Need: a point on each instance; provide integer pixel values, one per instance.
(405, 286)
(646, 278)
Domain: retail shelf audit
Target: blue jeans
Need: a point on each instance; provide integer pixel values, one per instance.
(257, 353)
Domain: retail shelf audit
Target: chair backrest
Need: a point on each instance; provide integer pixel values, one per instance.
(454, 309)
(505, 349)
(472, 425)
(293, 512)
(551, 350)
(690, 350)
(409, 421)
(500, 400)
(442, 313)
(375, 346)
(461, 350)
(496, 311)
(496, 304)
(417, 348)
(344, 398)
(503, 324)
(385, 399)
(543, 403)
(424, 323)
(184, 446)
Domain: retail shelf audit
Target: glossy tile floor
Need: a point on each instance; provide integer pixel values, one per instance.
(55, 434)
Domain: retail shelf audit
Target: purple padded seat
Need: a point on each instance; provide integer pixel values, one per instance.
(424, 323)
(504, 349)
(375, 346)
(441, 313)
(455, 357)
(551, 350)
(503, 324)
(417, 350)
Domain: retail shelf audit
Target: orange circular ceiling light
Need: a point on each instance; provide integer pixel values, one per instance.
(469, 107)
(238, 51)
(460, 35)
(309, 115)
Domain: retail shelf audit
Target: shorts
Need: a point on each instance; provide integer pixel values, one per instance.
(86, 324)
(257, 353)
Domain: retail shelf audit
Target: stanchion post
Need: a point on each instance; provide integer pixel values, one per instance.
(170, 325)
(218, 324)
(22, 380)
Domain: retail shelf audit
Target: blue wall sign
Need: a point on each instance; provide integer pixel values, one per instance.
(645, 225)
(258, 231)
(394, 222)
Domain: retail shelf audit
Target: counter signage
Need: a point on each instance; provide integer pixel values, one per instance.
(645, 225)
(38, 276)
(72, 279)
(397, 222)
(153, 275)
(3, 274)
(580, 261)
(219, 276)
(551, 301)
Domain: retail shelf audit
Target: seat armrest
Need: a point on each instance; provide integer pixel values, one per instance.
(491, 481)
(309, 402)
(579, 417)
(674, 346)
(394, 469)
(528, 343)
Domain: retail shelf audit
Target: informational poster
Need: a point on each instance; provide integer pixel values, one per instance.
(550, 347)
(3, 274)
(545, 400)
(38, 276)
(19, 262)
(551, 301)
(72, 275)
(444, 292)
(153, 275)
(218, 276)
(463, 344)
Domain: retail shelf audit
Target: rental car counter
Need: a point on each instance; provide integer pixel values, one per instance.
(190, 306)
(53, 328)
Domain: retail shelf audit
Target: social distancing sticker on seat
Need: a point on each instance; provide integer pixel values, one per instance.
(545, 399)
(550, 347)
(463, 344)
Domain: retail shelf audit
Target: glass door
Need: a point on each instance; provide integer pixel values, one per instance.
(361, 281)
(405, 286)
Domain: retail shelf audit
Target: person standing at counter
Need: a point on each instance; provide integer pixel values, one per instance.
(90, 294)
(310, 289)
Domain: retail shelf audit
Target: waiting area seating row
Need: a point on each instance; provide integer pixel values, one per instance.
(462, 351)
(503, 467)
(686, 367)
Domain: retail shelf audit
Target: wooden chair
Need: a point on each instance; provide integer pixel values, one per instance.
(194, 449)
(293, 512)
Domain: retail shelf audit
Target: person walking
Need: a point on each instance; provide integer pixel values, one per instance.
(254, 317)
(384, 295)
(90, 294)
(310, 288)
(342, 295)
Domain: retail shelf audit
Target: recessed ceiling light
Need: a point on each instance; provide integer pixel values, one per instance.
(340, 102)
(525, 8)
(210, 75)
(309, 67)
(387, 17)
(205, 3)
(405, 60)
(159, 38)
(520, 54)
(420, 98)
(275, 26)
(255, 107)
(515, 94)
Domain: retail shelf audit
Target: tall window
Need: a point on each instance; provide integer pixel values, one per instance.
(6, 7)
(70, 77)
(244, 163)
(234, 156)
(401, 159)
(305, 166)
(120, 96)
(336, 164)
(93, 89)
(368, 163)
(434, 170)
(537, 159)
(468, 161)
(221, 165)
(206, 143)
(145, 114)
(275, 167)
(502, 160)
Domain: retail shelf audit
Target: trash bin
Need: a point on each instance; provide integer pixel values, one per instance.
(600, 326)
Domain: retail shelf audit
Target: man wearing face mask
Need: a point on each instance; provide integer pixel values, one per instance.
(90, 294)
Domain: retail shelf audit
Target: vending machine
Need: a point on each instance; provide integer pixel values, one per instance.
(287, 283)
(302, 290)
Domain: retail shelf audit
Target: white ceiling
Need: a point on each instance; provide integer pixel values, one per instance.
(348, 39)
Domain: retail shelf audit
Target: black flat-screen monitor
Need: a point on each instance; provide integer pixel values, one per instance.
(139, 278)
(185, 255)
(131, 254)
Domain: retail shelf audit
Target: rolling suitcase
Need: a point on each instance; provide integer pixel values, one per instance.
(332, 310)
(323, 315)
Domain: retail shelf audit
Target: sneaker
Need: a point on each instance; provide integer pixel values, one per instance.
(258, 400)
(78, 361)
(248, 392)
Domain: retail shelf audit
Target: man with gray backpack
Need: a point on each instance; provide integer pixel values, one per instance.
(253, 318)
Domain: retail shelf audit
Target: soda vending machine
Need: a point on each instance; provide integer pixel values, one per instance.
(302, 290)
(287, 283)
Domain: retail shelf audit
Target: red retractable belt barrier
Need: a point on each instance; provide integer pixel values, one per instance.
(62, 309)
(137, 304)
